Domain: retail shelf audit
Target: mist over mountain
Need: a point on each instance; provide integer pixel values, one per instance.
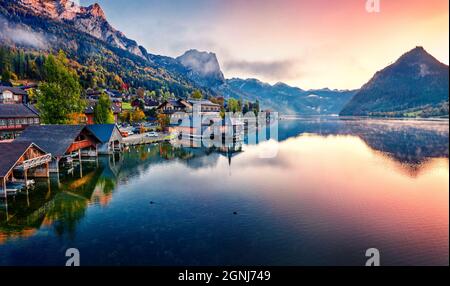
(417, 84)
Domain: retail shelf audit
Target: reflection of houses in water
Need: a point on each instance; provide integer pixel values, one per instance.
(211, 130)
(60, 201)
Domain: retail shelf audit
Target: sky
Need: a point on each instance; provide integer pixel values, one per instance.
(304, 43)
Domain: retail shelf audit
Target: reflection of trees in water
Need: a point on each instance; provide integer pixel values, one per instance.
(61, 206)
(408, 142)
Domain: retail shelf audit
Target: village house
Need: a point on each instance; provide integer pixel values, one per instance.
(116, 108)
(64, 142)
(110, 138)
(175, 107)
(24, 159)
(13, 95)
(171, 106)
(206, 105)
(14, 118)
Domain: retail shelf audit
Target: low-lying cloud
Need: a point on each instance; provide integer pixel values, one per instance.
(282, 69)
(21, 35)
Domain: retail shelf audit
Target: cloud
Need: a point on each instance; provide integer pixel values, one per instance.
(278, 70)
(21, 35)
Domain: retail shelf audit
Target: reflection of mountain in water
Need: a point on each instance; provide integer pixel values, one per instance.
(62, 203)
(407, 141)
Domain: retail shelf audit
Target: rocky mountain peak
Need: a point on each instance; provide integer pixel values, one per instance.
(203, 66)
(96, 11)
(91, 20)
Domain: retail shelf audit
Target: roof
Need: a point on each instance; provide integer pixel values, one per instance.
(176, 103)
(17, 111)
(151, 102)
(203, 102)
(102, 131)
(55, 139)
(11, 153)
(14, 90)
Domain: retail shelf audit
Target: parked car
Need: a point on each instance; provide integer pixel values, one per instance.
(151, 134)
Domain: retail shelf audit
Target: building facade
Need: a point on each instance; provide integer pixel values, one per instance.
(14, 118)
(13, 95)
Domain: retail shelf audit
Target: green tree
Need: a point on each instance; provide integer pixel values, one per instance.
(102, 111)
(59, 94)
(233, 105)
(197, 94)
(6, 76)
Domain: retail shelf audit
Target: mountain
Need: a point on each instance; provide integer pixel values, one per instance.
(287, 99)
(105, 57)
(203, 67)
(416, 85)
(91, 20)
(100, 53)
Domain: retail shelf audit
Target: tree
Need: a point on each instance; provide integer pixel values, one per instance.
(59, 94)
(233, 105)
(125, 116)
(102, 111)
(6, 76)
(197, 94)
(76, 118)
(163, 121)
(138, 115)
(140, 92)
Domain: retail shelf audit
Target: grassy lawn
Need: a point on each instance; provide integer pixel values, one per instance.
(126, 106)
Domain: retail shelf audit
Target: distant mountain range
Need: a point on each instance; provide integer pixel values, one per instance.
(415, 83)
(287, 99)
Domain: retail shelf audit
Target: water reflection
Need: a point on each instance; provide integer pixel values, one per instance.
(410, 142)
(336, 188)
(59, 202)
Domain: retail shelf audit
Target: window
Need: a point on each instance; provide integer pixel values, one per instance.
(7, 94)
(2, 122)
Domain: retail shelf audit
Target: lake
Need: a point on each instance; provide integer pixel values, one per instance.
(335, 188)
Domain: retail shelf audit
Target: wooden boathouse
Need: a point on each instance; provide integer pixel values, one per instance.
(110, 137)
(64, 142)
(25, 158)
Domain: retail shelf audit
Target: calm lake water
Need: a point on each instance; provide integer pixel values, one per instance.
(336, 188)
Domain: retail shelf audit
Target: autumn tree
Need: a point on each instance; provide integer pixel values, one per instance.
(163, 121)
(138, 115)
